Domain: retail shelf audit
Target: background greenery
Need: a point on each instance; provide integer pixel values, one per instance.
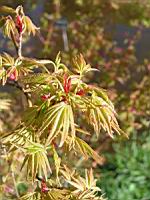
(126, 174)
(113, 37)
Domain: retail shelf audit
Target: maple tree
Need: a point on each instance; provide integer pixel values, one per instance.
(49, 129)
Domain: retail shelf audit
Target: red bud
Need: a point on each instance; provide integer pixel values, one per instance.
(13, 75)
(45, 97)
(19, 24)
(81, 92)
(67, 84)
(44, 187)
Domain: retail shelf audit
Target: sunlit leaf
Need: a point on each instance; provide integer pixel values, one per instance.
(60, 118)
(82, 147)
(9, 27)
(29, 26)
(37, 161)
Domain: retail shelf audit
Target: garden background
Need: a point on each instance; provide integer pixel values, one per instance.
(114, 37)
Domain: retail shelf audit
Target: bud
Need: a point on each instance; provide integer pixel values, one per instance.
(45, 97)
(67, 84)
(44, 187)
(19, 24)
(81, 92)
(13, 75)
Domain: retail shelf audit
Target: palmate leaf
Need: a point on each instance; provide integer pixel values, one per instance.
(29, 26)
(57, 194)
(53, 194)
(61, 194)
(18, 138)
(83, 148)
(98, 110)
(81, 188)
(9, 27)
(59, 67)
(81, 183)
(61, 120)
(84, 188)
(36, 160)
(80, 66)
(31, 196)
(67, 173)
(7, 60)
(102, 114)
(7, 67)
(21, 67)
(100, 92)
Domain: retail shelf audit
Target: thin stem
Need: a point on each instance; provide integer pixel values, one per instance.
(19, 53)
(14, 40)
(20, 46)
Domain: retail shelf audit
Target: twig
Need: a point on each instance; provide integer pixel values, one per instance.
(19, 53)
(14, 41)
(20, 46)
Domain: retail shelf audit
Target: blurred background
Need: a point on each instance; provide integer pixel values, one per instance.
(114, 37)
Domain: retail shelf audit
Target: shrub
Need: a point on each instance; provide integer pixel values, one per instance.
(126, 174)
(49, 129)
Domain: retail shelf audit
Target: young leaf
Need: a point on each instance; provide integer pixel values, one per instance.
(29, 26)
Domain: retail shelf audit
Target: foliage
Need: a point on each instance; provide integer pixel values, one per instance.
(56, 96)
(127, 170)
(91, 28)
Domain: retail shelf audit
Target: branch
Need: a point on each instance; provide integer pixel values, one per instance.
(14, 41)
(19, 53)
(20, 46)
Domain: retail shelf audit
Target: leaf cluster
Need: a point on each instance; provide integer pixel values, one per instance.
(49, 126)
